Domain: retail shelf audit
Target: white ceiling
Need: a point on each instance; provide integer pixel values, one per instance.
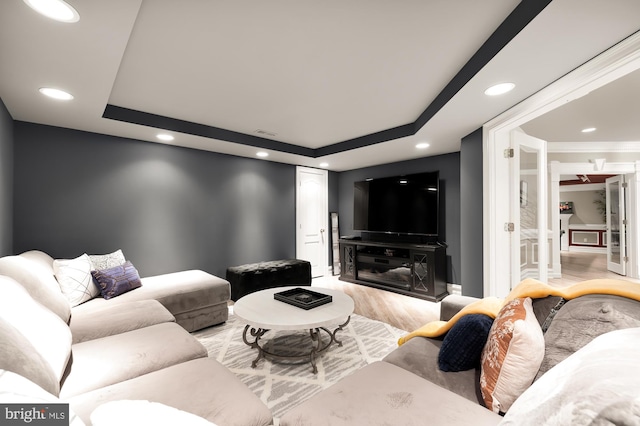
(614, 110)
(322, 78)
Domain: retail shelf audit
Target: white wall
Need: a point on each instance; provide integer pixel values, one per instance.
(585, 210)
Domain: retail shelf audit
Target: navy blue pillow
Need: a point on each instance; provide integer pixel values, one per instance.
(114, 281)
(462, 346)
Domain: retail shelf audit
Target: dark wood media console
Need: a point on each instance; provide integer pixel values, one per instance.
(417, 270)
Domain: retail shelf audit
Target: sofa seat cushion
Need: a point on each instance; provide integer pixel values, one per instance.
(203, 387)
(140, 412)
(102, 362)
(16, 389)
(385, 394)
(90, 324)
(420, 356)
(203, 317)
(178, 292)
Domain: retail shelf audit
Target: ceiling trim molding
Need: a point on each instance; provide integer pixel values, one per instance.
(161, 122)
(371, 139)
(590, 168)
(588, 147)
(582, 187)
(518, 19)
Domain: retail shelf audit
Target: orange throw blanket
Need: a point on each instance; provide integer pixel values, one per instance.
(529, 288)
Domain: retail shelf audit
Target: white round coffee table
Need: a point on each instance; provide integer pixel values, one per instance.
(262, 312)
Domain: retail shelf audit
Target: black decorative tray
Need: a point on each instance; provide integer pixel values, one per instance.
(303, 298)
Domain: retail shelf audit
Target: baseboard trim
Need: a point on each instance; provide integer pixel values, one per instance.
(583, 249)
(454, 289)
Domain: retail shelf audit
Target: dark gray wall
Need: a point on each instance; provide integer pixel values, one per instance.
(449, 225)
(6, 181)
(173, 208)
(168, 208)
(471, 217)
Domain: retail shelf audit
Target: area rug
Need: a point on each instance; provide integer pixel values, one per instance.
(283, 385)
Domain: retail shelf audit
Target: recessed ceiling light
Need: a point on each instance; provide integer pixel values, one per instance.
(55, 9)
(589, 130)
(262, 154)
(422, 145)
(324, 164)
(499, 89)
(56, 93)
(165, 137)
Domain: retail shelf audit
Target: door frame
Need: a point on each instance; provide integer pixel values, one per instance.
(324, 205)
(612, 64)
(631, 171)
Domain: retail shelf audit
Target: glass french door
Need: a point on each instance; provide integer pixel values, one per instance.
(616, 225)
(529, 209)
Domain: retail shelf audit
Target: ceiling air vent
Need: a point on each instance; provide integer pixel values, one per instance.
(265, 133)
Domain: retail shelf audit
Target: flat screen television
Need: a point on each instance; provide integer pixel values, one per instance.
(399, 204)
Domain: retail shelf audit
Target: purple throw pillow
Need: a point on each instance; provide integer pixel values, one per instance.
(117, 280)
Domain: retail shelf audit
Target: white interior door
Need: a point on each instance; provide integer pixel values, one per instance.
(312, 218)
(529, 211)
(616, 225)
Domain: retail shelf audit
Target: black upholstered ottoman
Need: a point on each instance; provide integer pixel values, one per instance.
(245, 279)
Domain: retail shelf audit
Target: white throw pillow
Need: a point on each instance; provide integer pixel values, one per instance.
(512, 355)
(597, 385)
(106, 261)
(74, 278)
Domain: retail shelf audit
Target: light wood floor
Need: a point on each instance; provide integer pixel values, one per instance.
(404, 312)
(578, 267)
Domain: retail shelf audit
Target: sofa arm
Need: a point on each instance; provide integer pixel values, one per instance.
(452, 304)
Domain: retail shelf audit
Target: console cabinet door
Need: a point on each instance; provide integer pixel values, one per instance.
(423, 275)
(348, 260)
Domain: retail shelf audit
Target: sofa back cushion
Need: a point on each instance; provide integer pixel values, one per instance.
(46, 332)
(38, 281)
(18, 355)
(39, 258)
(581, 320)
(597, 385)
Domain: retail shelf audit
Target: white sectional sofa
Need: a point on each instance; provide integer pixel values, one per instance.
(125, 348)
